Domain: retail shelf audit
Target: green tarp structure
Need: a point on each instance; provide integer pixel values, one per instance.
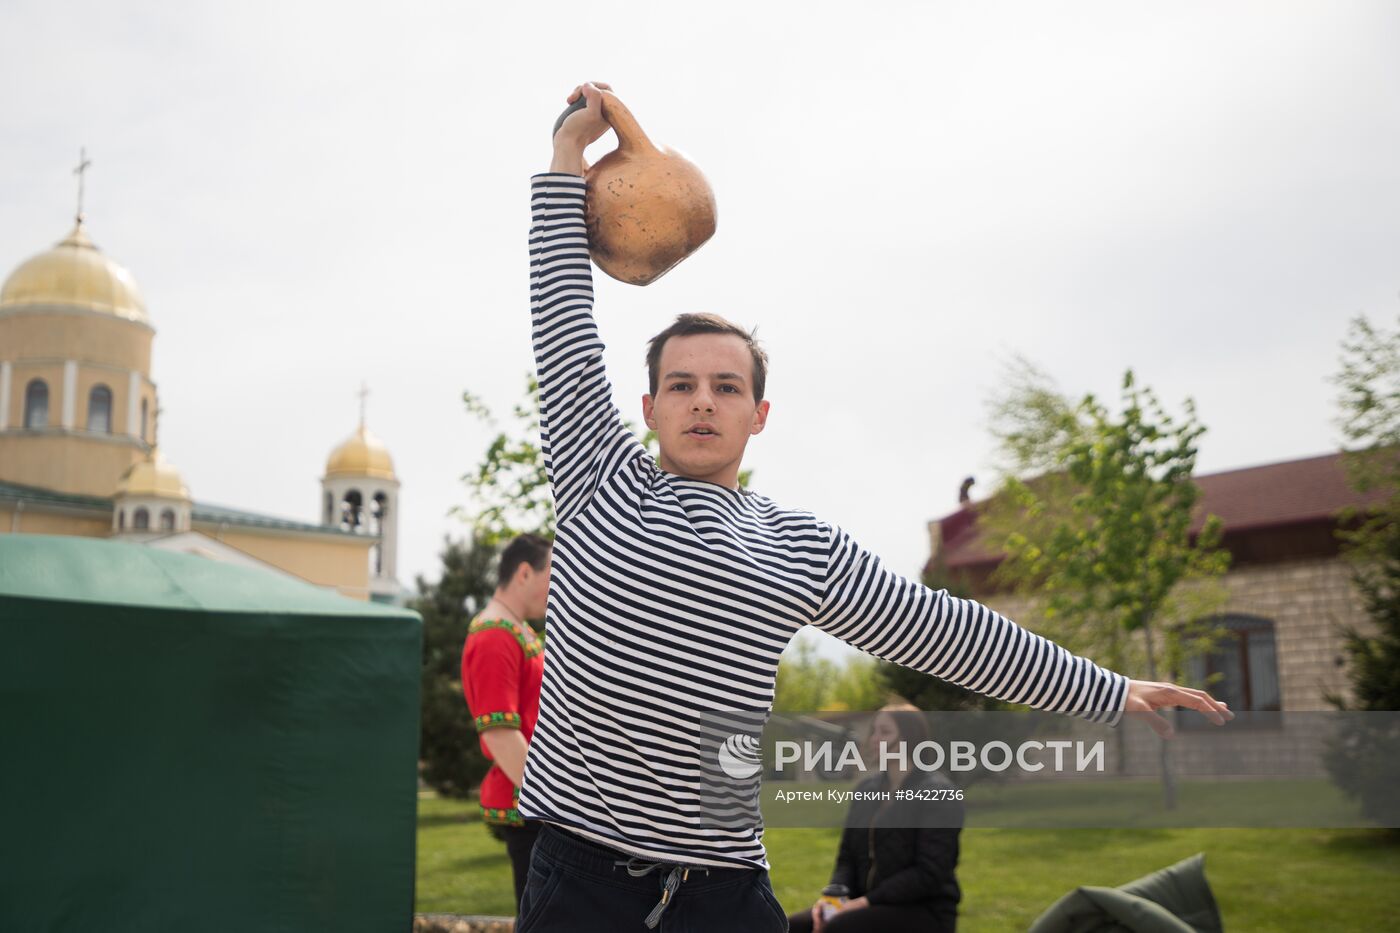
(190, 745)
(1176, 899)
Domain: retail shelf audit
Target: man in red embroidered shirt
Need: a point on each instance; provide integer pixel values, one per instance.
(502, 665)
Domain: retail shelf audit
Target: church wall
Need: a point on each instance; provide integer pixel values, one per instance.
(147, 391)
(342, 562)
(119, 381)
(20, 375)
(114, 379)
(84, 336)
(35, 522)
(84, 464)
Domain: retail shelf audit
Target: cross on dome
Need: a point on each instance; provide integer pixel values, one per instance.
(84, 163)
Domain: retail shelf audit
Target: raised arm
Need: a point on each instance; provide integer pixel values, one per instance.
(581, 430)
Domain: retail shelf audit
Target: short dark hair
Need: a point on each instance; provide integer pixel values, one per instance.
(689, 324)
(527, 548)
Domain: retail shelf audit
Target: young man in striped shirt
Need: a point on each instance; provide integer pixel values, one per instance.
(674, 592)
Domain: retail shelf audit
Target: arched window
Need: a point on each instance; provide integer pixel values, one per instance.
(351, 510)
(143, 419)
(378, 506)
(121, 519)
(99, 417)
(330, 508)
(141, 520)
(1247, 664)
(36, 404)
(167, 520)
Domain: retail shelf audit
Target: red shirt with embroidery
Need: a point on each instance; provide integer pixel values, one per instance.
(502, 665)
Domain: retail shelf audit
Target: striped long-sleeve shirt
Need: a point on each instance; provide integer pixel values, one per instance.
(672, 597)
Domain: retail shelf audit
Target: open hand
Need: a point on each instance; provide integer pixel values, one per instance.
(1145, 696)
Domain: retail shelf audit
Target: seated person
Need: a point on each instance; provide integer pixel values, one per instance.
(898, 871)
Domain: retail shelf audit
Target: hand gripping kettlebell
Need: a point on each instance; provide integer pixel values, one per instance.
(648, 207)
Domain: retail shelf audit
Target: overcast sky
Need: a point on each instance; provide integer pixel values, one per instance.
(312, 194)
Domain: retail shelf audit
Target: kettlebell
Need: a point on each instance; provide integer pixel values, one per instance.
(647, 207)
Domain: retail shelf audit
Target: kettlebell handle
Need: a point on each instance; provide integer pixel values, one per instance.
(575, 106)
(629, 133)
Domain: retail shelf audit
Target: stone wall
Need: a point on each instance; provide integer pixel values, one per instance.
(1305, 599)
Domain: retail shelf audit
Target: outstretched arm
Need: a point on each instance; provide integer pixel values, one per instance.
(581, 430)
(964, 642)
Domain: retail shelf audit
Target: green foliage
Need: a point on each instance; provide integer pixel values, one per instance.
(1364, 761)
(509, 487)
(808, 682)
(1369, 380)
(1103, 540)
(450, 757)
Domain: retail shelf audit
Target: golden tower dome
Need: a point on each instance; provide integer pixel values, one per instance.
(154, 477)
(362, 454)
(75, 274)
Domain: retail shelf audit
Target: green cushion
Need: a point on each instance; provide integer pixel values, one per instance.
(1176, 899)
(1183, 890)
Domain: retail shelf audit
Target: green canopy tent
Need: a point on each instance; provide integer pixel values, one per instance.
(192, 745)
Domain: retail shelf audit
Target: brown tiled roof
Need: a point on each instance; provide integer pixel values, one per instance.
(1276, 495)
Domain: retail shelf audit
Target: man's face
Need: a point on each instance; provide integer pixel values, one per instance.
(704, 412)
(535, 584)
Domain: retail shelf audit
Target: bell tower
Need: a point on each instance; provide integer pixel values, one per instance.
(360, 494)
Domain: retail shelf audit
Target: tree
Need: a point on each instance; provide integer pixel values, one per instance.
(803, 677)
(450, 758)
(808, 682)
(1370, 404)
(510, 488)
(1364, 761)
(1101, 537)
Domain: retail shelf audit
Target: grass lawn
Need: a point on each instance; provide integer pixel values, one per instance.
(1265, 880)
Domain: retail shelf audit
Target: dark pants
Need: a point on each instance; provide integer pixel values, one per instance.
(577, 886)
(520, 840)
(881, 918)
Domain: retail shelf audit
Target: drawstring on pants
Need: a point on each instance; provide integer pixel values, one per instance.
(679, 873)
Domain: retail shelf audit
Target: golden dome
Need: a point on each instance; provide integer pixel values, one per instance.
(362, 454)
(153, 477)
(75, 274)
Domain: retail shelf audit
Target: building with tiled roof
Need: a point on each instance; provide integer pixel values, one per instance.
(1288, 587)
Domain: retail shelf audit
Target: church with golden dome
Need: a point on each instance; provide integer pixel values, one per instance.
(78, 441)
